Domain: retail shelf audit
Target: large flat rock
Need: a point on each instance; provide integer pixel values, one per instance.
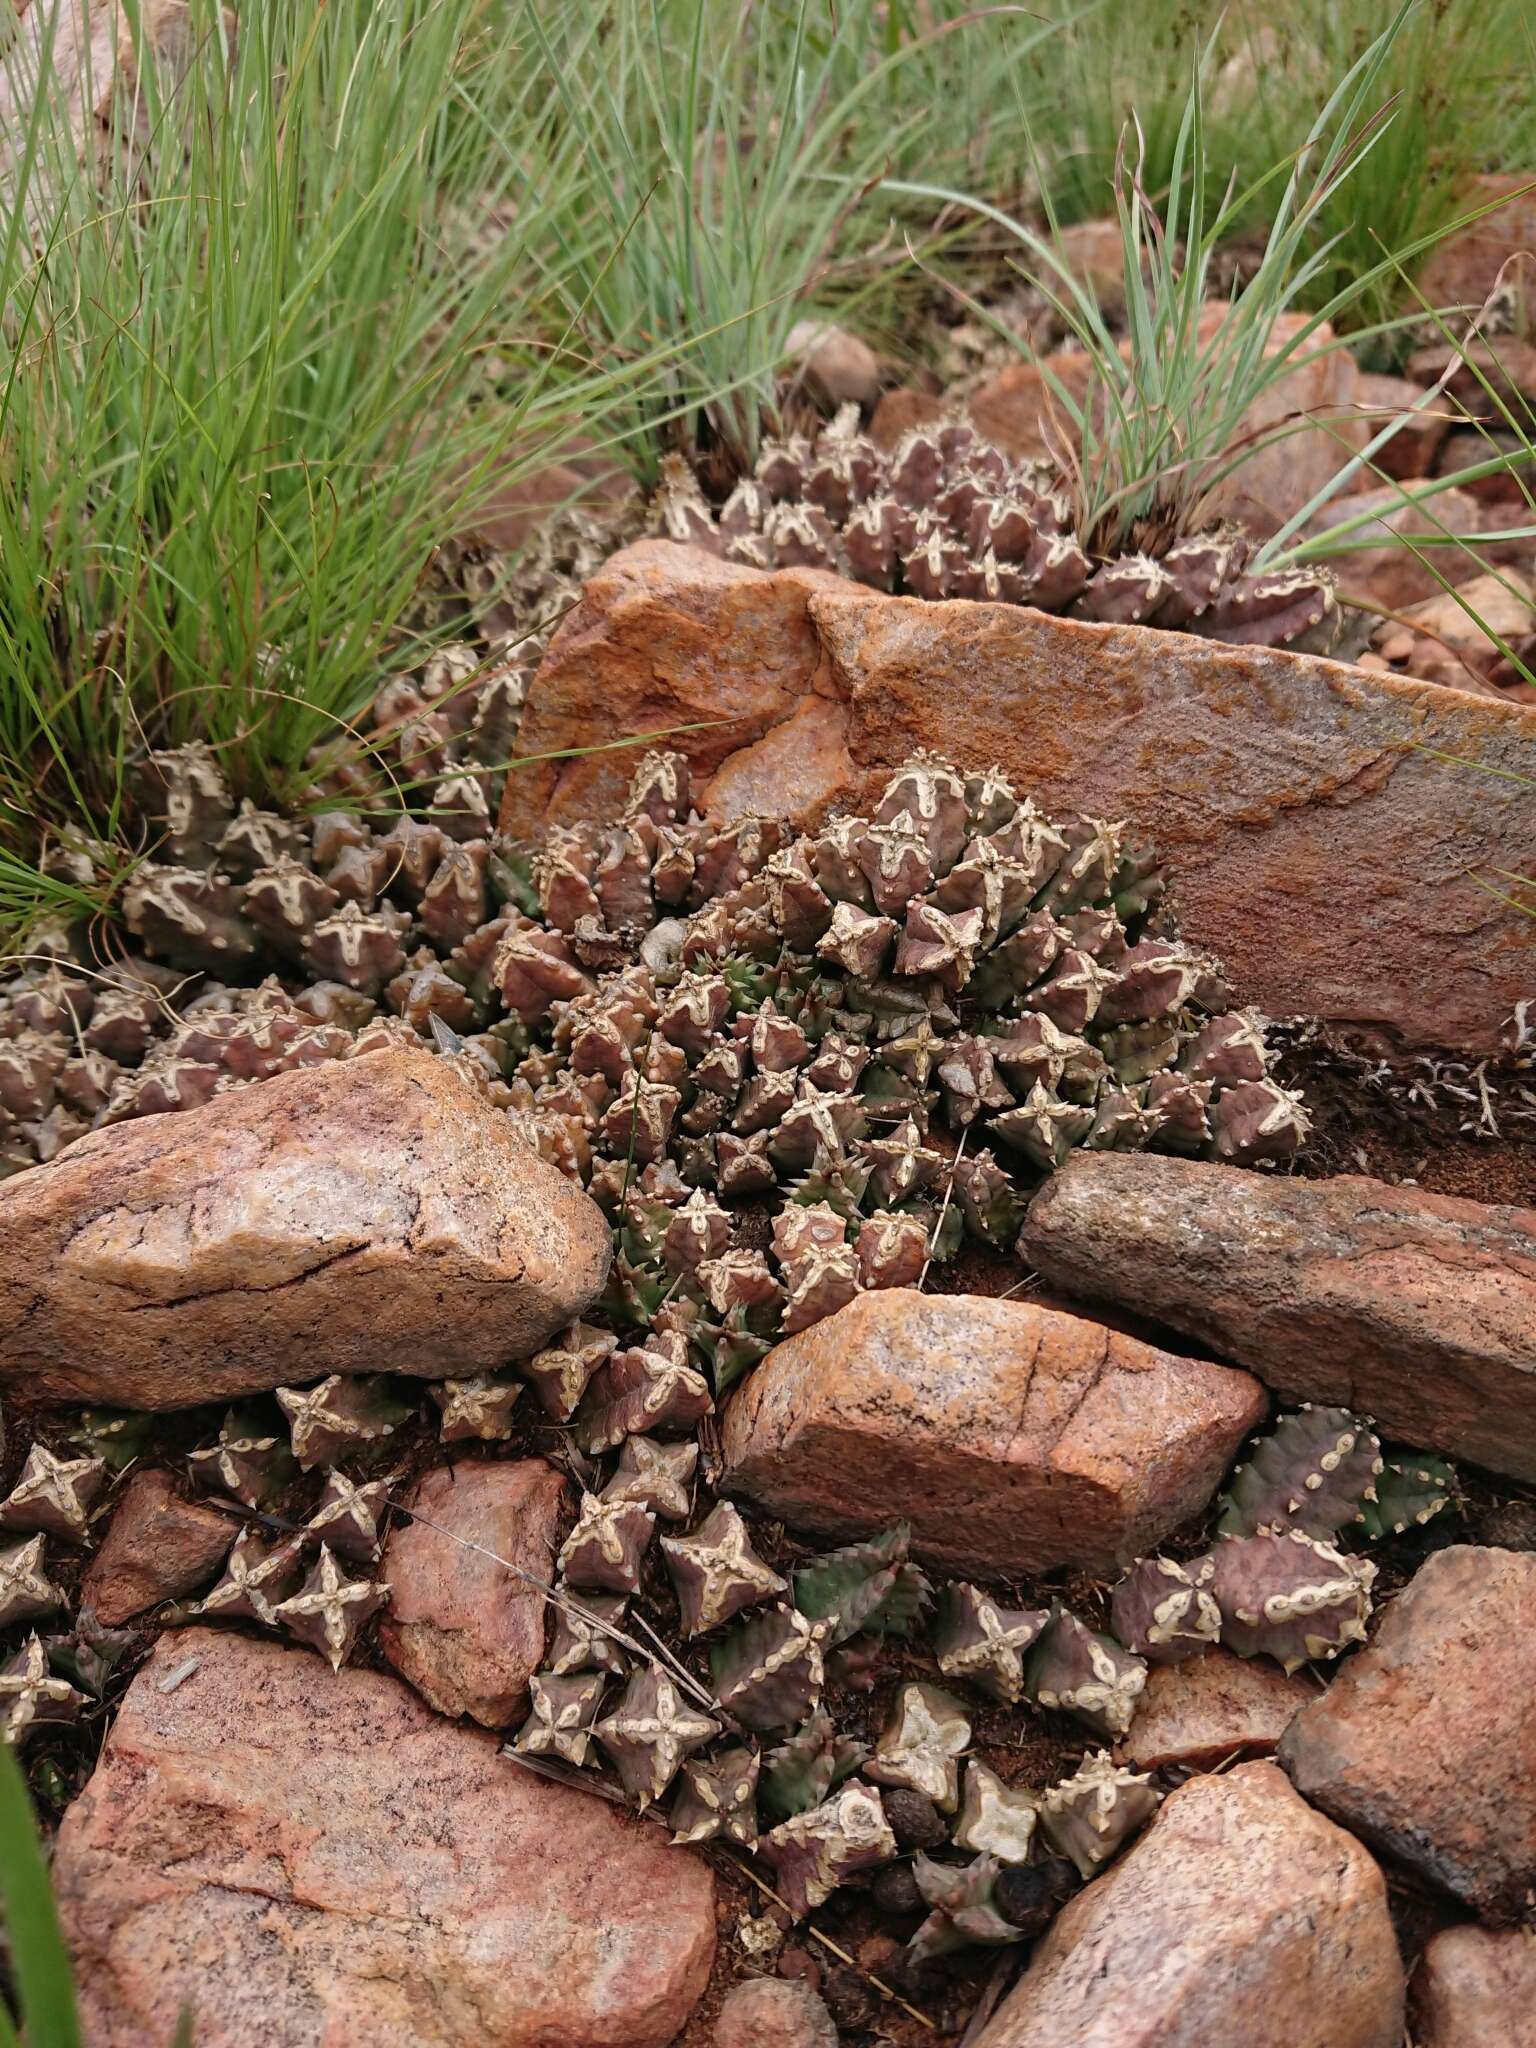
(1325, 827)
(1425, 1743)
(367, 1215)
(1012, 1438)
(1241, 1919)
(306, 1857)
(1416, 1309)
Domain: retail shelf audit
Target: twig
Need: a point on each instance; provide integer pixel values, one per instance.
(827, 1942)
(938, 1222)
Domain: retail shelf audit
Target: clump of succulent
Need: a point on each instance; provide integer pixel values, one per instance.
(1164, 1611)
(1285, 1595)
(1080, 1672)
(1412, 1487)
(814, 1852)
(1092, 1814)
(945, 514)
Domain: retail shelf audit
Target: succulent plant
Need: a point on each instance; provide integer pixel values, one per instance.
(977, 1639)
(1411, 1488)
(26, 1592)
(871, 1585)
(347, 1516)
(560, 1375)
(645, 1387)
(657, 1475)
(54, 1496)
(562, 1714)
(945, 514)
(812, 1853)
(800, 1772)
(606, 1548)
(715, 1571)
(329, 1611)
(258, 1577)
(1314, 1471)
(1090, 1815)
(249, 1465)
(650, 1733)
(962, 1908)
(1085, 1674)
(1162, 1610)
(770, 1670)
(339, 1415)
(115, 1436)
(996, 1819)
(479, 1408)
(717, 1796)
(918, 1747)
(31, 1696)
(582, 1638)
(1289, 1596)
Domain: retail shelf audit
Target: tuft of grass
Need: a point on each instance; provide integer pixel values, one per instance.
(41, 1971)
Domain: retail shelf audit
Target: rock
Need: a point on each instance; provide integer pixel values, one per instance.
(1014, 407)
(368, 1215)
(1011, 1437)
(1467, 447)
(1457, 638)
(772, 2012)
(1241, 1919)
(1416, 1309)
(463, 1629)
(158, 1547)
(1425, 1743)
(303, 1856)
(1475, 1989)
(1209, 1709)
(1494, 250)
(836, 367)
(1379, 568)
(1411, 451)
(898, 412)
(1322, 827)
(1494, 380)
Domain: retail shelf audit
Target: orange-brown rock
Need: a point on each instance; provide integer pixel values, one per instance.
(1209, 1709)
(1012, 1438)
(464, 1630)
(1492, 251)
(1241, 1919)
(1379, 400)
(774, 2012)
(1323, 827)
(835, 365)
(1425, 1743)
(368, 1215)
(1475, 1988)
(1413, 1308)
(158, 1547)
(302, 1856)
(1014, 408)
(1383, 571)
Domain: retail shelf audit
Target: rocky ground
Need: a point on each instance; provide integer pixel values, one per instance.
(764, 1408)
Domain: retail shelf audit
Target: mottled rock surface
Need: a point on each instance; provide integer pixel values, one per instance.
(367, 1215)
(1012, 1438)
(1319, 838)
(308, 1858)
(1476, 1989)
(1210, 1708)
(774, 2012)
(465, 1631)
(157, 1547)
(1425, 1743)
(1241, 1919)
(1413, 1308)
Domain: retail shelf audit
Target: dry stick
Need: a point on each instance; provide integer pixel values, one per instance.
(938, 1225)
(828, 1943)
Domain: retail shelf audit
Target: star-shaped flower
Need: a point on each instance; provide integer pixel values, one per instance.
(336, 1416)
(54, 1495)
(30, 1695)
(249, 1466)
(25, 1591)
(659, 1476)
(979, 1640)
(716, 1572)
(329, 1610)
(995, 1819)
(560, 1375)
(921, 1741)
(563, 1711)
(257, 1577)
(606, 1546)
(347, 1516)
(480, 1407)
(650, 1733)
(582, 1638)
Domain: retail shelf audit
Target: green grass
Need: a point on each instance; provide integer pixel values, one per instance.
(41, 1972)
